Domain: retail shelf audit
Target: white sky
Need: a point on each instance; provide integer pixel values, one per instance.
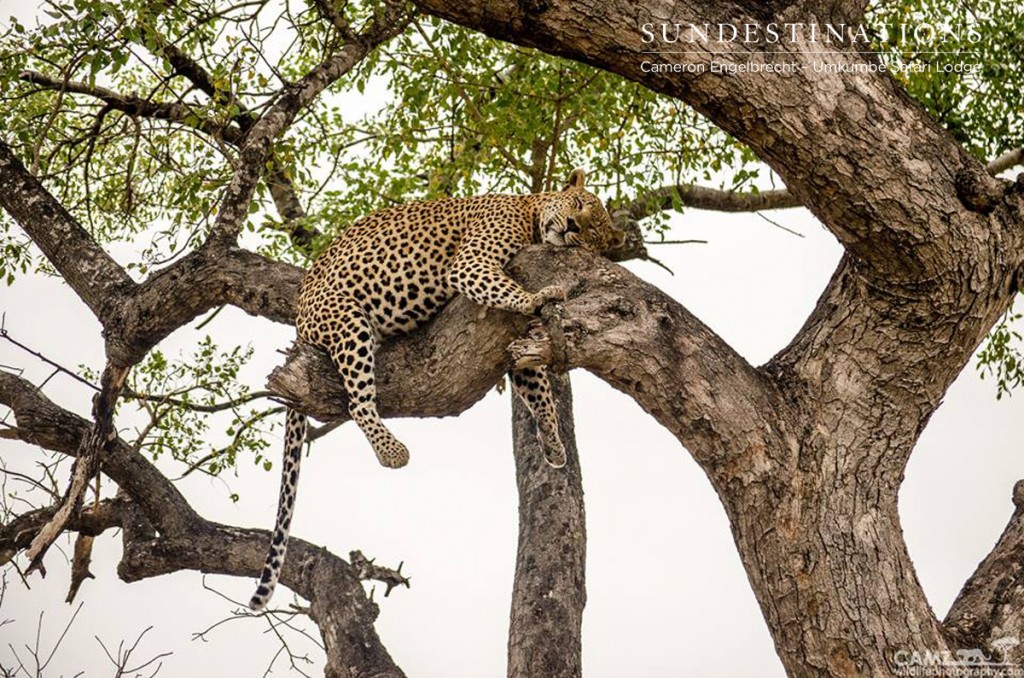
(451, 514)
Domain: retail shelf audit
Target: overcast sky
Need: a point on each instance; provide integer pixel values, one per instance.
(451, 514)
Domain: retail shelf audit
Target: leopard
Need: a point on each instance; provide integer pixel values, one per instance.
(392, 271)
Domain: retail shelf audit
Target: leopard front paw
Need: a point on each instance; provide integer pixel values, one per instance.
(548, 294)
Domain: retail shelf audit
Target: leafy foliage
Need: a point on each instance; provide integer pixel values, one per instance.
(469, 114)
(132, 113)
(177, 397)
(1003, 355)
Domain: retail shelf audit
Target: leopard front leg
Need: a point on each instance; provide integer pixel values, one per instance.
(532, 386)
(478, 273)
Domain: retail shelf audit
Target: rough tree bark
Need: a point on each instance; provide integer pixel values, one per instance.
(549, 593)
(809, 476)
(807, 452)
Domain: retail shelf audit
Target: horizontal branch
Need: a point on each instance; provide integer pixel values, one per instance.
(1006, 161)
(338, 602)
(617, 326)
(136, 106)
(16, 535)
(704, 198)
(310, 383)
(186, 541)
(718, 200)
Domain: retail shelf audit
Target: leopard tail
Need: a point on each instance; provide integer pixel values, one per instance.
(294, 437)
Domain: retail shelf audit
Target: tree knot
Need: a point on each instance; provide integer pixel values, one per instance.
(543, 344)
(1018, 494)
(977, 190)
(533, 6)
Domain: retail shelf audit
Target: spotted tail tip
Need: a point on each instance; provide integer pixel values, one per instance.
(260, 599)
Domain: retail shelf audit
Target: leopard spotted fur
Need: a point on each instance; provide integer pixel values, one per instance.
(393, 270)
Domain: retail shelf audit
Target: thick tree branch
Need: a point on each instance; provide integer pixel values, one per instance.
(989, 611)
(91, 272)
(199, 282)
(188, 542)
(617, 326)
(549, 593)
(704, 198)
(309, 381)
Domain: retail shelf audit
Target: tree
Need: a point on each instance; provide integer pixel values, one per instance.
(806, 452)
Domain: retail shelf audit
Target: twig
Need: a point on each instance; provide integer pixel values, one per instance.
(778, 225)
(4, 334)
(321, 431)
(275, 619)
(123, 655)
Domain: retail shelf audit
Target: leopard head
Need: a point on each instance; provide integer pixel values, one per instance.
(575, 217)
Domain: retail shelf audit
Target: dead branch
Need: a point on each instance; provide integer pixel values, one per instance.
(368, 570)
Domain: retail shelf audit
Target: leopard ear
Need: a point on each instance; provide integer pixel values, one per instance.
(576, 180)
(585, 215)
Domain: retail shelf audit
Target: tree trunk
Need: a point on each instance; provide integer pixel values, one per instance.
(807, 452)
(550, 588)
(808, 462)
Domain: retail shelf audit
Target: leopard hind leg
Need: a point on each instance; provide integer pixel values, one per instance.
(353, 356)
(531, 384)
